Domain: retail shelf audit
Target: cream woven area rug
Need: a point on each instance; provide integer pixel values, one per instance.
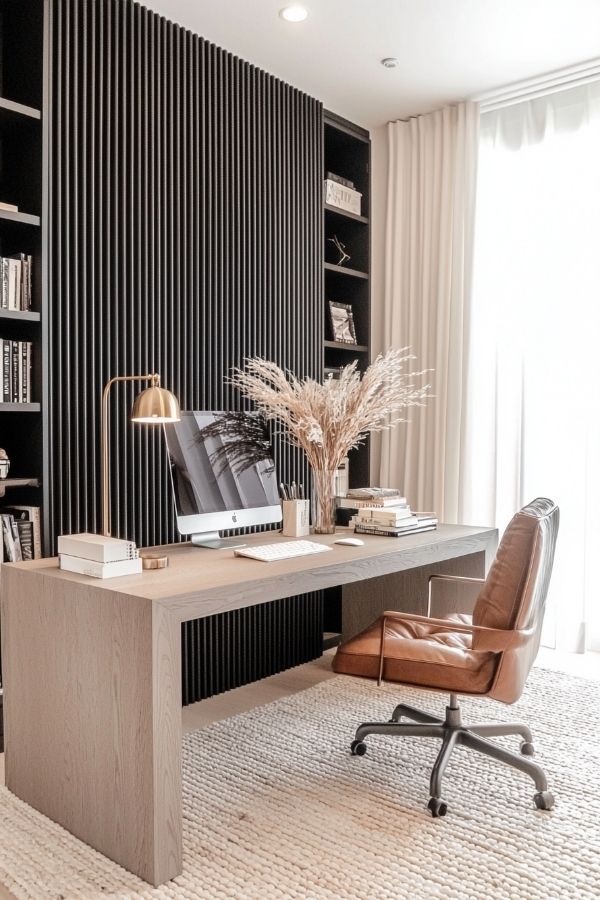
(275, 807)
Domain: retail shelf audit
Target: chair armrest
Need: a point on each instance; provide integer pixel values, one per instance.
(493, 640)
(459, 578)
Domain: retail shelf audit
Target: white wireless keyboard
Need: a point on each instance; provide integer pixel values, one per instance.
(285, 550)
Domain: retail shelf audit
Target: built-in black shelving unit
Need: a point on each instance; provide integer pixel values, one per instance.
(23, 183)
(346, 152)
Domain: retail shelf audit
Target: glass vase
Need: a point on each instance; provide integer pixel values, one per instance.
(323, 501)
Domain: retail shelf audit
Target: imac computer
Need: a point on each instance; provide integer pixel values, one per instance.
(222, 473)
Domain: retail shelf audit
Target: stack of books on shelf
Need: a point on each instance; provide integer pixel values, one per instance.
(15, 371)
(15, 282)
(341, 192)
(98, 556)
(21, 533)
(384, 511)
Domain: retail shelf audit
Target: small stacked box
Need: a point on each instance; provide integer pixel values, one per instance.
(384, 511)
(98, 556)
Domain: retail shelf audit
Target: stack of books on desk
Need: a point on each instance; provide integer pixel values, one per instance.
(386, 512)
(98, 556)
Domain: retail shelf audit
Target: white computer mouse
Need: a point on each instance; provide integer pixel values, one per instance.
(350, 542)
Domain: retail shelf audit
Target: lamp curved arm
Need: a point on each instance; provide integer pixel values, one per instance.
(154, 377)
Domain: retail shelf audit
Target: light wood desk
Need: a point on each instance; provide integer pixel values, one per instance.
(92, 677)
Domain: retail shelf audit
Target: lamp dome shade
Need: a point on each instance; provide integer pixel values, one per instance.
(156, 406)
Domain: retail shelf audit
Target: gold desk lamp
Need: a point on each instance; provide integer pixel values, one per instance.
(153, 406)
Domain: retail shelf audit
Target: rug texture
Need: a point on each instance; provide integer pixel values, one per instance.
(275, 807)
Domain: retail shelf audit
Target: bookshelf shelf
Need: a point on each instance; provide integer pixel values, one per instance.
(18, 483)
(20, 407)
(10, 110)
(20, 218)
(350, 348)
(15, 315)
(346, 215)
(340, 270)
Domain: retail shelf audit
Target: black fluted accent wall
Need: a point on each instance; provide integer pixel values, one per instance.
(186, 234)
(256, 642)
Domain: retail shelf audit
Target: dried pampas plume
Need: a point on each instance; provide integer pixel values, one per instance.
(327, 420)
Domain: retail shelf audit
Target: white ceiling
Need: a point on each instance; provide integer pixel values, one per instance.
(448, 49)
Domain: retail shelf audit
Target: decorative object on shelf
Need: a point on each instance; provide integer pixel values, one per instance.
(341, 248)
(342, 322)
(342, 197)
(328, 420)
(153, 406)
(4, 464)
(331, 176)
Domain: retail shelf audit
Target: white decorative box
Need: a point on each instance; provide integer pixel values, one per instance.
(343, 197)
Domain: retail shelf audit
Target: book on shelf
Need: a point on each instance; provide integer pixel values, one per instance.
(15, 282)
(15, 371)
(96, 547)
(96, 569)
(32, 516)
(11, 540)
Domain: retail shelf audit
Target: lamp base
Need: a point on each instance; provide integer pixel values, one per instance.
(154, 561)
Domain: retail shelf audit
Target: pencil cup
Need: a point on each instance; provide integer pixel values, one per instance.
(296, 517)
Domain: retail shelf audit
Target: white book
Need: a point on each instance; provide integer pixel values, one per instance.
(385, 502)
(387, 516)
(14, 284)
(98, 569)
(97, 547)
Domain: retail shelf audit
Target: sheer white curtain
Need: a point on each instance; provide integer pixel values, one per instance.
(534, 353)
(432, 169)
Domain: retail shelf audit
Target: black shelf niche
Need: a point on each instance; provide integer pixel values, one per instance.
(24, 52)
(346, 152)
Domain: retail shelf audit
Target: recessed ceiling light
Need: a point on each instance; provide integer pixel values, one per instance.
(390, 62)
(294, 13)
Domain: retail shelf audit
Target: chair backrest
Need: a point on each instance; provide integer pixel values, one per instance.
(515, 591)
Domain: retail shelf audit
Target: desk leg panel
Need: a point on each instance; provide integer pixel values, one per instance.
(83, 728)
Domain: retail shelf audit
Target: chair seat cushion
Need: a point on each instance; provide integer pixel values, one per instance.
(419, 654)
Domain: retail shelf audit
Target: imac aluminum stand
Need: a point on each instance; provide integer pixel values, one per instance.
(211, 540)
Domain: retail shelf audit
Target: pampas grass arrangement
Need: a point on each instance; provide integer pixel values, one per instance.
(328, 420)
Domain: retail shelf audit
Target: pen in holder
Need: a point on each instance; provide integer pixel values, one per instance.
(296, 518)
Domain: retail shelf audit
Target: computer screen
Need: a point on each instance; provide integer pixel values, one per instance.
(222, 473)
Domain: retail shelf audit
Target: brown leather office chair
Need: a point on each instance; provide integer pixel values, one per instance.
(489, 654)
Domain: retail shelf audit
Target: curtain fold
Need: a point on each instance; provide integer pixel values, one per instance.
(531, 407)
(432, 174)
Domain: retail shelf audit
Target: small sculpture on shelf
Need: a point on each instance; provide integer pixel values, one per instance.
(4, 464)
(341, 248)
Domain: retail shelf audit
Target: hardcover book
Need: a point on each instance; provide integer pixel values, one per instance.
(100, 570)
(96, 547)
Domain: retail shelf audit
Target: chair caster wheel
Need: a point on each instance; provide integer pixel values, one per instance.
(527, 749)
(358, 748)
(544, 800)
(437, 807)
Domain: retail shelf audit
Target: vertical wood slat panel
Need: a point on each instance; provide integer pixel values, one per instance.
(186, 234)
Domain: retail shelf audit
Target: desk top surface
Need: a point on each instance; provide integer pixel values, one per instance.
(202, 573)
